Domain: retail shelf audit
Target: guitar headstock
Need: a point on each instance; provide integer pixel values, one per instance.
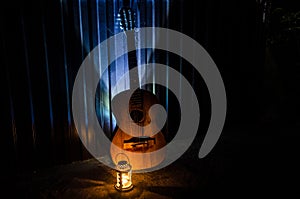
(127, 18)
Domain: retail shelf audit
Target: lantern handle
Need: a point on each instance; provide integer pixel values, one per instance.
(122, 154)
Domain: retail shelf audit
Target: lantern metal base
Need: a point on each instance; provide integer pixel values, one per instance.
(124, 189)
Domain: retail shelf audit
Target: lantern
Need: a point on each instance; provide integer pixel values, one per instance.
(124, 170)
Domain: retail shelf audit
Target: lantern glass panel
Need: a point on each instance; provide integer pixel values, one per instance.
(124, 182)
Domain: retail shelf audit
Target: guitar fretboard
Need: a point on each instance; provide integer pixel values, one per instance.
(132, 61)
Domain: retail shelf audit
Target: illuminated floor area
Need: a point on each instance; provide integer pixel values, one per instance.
(90, 179)
(249, 165)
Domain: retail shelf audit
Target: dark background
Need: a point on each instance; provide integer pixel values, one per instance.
(258, 58)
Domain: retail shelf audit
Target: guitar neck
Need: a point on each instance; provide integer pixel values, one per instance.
(132, 62)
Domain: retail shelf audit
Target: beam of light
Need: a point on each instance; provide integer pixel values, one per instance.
(180, 58)
(138, 44)
(118, 63)
(48, 75)
(83, 26)
(11, 104)
(166, 8)
(194, 53)
(29, 82)
(98, 105)
(65, 62)
(103, 96)
(153, 42)
(82, 57)
(103, 24)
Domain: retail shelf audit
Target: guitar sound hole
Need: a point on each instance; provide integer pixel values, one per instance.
(137, 116)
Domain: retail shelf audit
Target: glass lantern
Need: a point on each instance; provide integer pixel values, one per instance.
(124, 171)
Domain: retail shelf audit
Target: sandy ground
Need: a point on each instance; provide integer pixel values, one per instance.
(91, 179)
(238, 166)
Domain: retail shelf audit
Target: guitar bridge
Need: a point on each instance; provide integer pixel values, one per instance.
(135, 143)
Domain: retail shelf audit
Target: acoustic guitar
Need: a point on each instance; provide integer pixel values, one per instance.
(136, 148)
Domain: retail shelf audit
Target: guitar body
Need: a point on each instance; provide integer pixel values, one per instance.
(138, 148)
